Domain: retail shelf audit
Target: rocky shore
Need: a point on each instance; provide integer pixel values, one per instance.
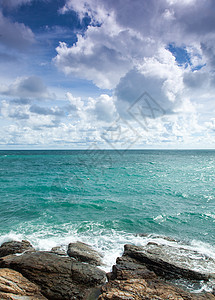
(140, 273)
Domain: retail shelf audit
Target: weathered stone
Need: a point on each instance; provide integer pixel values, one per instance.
(133, 278)
(87, 274)
(58, 250)
(128, 268)
(59, 277)
(83, 252)
(14, 286)
(13, 247)
(139, 289)
(156, 259)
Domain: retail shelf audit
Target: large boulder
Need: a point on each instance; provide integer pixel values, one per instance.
(128, 268)
(166, 263)
(83, 252)
(14, 286)
(59, 277)
(138, 275)
(13, 247)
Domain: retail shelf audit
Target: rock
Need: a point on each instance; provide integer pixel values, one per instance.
(87, 274)
(159, 259)
(14, 286)
(15, 247)
(139, 289)
(132, 278)
(83, 252)
(59, 277)
(58, 250)
(128, 268)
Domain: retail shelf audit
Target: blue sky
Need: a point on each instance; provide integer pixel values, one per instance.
(107, 74)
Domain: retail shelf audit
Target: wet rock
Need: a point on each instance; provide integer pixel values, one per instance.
(83, 252)
(87, 274)
(59, 277)
(163, 262)
(132, 278)
(128, 268)
(15, 247)
(139, 289)
(14, 286)
(58, 250)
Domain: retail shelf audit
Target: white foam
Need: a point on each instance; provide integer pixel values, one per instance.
(12, 236)
(110, 244)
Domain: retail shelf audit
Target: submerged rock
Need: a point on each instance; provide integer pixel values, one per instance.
(14, 286)
(83, 252)
(13, 247)
(59, 277)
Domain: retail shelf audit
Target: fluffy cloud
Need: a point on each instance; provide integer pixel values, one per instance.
(103, 63)
(76, 120)
(161, 78)
(115, 44)
(131, 55)
(164, 48)
(46, 111)
(14, 35)
(27, 87)
(130, 39)
(78, 123)
(30, 115)
(101, 109)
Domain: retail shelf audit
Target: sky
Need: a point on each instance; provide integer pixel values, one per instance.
(98, 74)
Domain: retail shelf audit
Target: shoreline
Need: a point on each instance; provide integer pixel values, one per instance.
(111, 245)
(137, 266)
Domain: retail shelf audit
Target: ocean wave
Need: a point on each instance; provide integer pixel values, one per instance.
(196, 255)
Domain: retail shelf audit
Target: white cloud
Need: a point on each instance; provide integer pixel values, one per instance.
(101, 62)
(181, 2)
(124, 49)
(15, 35)
(75, 102)
(83, 126)
(139, 59)
(120, 44)
(211, 124)
(92, 110)
(105, 108)
(14, 3)
(27, 87)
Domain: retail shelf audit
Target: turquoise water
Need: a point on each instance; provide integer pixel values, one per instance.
(108, 198)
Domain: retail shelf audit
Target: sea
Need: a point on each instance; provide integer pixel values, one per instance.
(109, 198)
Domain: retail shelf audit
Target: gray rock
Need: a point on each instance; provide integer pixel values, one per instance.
(133, 278)
(128, 268)
(59, 277)
(58, 250)
(159, 259)
(83, 252)
(15, 247)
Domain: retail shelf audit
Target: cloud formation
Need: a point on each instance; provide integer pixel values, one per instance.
(14, 3)
(125, 48)
(27, 87)
(128, 42)
(14, 35)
